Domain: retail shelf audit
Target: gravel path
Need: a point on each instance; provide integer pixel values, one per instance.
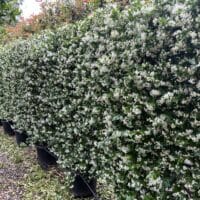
(13, 168)
(10, 174)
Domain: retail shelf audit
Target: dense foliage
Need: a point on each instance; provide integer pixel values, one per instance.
(116, 95)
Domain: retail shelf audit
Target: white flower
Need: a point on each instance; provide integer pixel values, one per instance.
(192, 34)
(103, 69)
(114, 34)
(87, 38)
(198, 85)
(154, 181)
(166, 98)
(143, 36)
(125, 149)
(149, 107)
(192, 81)
(177, 7)
(136, 111)
(155, 93)
(117, 93)
(188, 162)
(109, 21)
(148, 9)
(174, 68)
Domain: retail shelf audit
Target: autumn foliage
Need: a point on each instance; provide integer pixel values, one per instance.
(52, 15)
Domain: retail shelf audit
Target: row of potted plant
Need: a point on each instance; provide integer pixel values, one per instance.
(81, 188)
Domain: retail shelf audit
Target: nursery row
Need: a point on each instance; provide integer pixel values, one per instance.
(115, 95)
(81, 187)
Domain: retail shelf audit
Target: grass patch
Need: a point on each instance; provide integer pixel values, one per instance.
(42, 185)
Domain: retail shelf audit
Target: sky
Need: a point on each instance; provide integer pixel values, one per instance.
(30, 7)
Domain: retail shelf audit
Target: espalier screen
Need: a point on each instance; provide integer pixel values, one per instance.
(115, 95)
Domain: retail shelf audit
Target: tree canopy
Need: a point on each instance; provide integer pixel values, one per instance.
(9, 9)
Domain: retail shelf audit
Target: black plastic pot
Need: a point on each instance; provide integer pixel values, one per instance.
(45, 157)
(21, 137)
(82, 188)
(7, 128)
(10, 122)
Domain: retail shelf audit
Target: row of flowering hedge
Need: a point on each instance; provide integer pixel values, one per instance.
(115, 95)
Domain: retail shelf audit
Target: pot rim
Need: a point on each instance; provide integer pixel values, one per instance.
(47, 150)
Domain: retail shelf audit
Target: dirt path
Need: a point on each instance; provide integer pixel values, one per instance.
(10, 175)
(13, 168)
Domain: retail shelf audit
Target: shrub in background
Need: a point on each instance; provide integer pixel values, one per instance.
(116, 95)
(52, 16)
(9, 11)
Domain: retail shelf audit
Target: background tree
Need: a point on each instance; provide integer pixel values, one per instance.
(53, 14)
(9, 10)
